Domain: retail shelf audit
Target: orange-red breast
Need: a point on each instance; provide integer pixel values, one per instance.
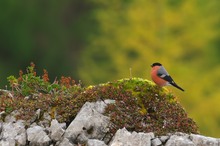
(161, 77)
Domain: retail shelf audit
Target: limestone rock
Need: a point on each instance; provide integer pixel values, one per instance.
(156, 142)
(35, 117)
(204, 141)
(11, 117)
(88, 124)
(56, 130)
(125, 138)
(7, 142)
(37, 136)
(89, 127)
(65, 142)
(163, 139)
(45, 122)
(179, 141)
(14, 133)
(95, 142)
(21, 139)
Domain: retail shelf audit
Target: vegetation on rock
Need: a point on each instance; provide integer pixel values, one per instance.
(142, 106)
(139, 104)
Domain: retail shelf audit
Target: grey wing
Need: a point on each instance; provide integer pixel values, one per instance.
(162, 72)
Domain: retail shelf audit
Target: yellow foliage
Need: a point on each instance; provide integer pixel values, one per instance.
(179, 34)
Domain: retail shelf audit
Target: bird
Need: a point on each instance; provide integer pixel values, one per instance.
(161, 77)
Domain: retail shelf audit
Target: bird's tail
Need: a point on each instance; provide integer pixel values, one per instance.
(175, 85)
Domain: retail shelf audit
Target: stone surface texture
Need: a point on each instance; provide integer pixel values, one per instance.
(91, 128)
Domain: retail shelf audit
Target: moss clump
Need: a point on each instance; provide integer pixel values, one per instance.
(139, 104)
(142, 106)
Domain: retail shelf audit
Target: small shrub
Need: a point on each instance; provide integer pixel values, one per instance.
(34, 92)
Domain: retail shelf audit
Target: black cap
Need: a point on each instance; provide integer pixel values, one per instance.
(156, 64)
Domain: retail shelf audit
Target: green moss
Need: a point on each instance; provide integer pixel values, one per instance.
(142, 106)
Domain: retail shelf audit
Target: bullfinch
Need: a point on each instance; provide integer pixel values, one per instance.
(161, 77)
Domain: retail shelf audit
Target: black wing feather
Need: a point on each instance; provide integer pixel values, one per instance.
(169, 79)
(166, 77)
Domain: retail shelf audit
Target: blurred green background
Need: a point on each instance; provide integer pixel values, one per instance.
(97, 41)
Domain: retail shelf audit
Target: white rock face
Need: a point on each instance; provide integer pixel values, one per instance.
(88, 124)
(21, 139)
(56, 130)
(8, 142)
(95, 142)
(13, 133)
(180, 139)
(163, 139)
(37, 136)
(156, 142)
(204, 141)
(176, 140)
(89, 127)
(65, 142)
(45, 122)
(11, 117)
(125, 138)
